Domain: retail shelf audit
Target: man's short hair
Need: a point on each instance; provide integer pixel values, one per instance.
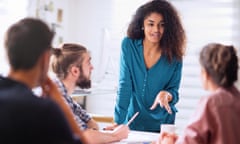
(25, 42)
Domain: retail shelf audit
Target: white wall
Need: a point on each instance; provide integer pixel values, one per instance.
(92, 22)
(90, 18)
(10, 12)
(47, 10)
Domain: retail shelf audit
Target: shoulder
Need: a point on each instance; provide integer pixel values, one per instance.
(53, 121)
(174, 64)
(130, 41)
(177, 61)
(223, 97)
(61, 87)
(41, 105)
(51, 110)
(129, 44)
(212, 101)
(126, 40)
(58, 83)
(45, 104)
(177, 64)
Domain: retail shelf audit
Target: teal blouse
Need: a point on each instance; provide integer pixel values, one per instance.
(139, 86)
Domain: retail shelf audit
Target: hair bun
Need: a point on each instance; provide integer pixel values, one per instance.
(56, 51)
(221, 63)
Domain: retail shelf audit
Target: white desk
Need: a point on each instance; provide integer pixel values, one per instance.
(84, 94)
(138, 137)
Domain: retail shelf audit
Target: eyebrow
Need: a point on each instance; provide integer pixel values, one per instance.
(162, 21)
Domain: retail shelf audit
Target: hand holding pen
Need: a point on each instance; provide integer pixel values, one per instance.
(112, 127)
(121, 129)
(133, 117)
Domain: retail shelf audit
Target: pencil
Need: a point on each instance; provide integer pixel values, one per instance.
(133, 117)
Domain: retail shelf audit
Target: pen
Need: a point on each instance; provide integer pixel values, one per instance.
(134, 116)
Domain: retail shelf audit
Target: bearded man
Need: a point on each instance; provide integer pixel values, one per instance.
(72, 65)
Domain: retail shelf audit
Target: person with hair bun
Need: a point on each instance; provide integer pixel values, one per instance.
(216, 120)
(72, 65)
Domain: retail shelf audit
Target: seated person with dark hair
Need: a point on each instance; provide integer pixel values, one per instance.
(26, 118)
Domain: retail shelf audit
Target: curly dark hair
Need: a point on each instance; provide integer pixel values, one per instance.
(173, 39)
(221, 63)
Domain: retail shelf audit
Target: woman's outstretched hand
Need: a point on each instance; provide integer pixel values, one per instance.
(163, 98)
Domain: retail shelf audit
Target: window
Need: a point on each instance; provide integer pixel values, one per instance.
(204, 22)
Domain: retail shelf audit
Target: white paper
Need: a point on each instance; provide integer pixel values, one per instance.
(139, 137)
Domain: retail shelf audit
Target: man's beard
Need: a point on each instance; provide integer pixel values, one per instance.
(83, 82)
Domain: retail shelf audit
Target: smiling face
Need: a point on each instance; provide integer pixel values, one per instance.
(153, 26)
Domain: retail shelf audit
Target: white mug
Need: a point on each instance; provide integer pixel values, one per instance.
(169, 128)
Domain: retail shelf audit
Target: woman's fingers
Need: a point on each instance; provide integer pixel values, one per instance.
(162, 100)
(168, 108)
(156, 102)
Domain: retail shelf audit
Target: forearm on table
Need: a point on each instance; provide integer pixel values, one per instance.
(99, 137)
(92, 124)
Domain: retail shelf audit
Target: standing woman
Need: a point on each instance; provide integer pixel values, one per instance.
(150, 67)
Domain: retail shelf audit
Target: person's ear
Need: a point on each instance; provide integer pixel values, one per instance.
(42, 66)
(203, 74)
(205, 78)
(74, 70)
(44, 61)
(47, 58)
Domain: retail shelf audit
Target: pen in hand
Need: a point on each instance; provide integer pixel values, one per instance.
(128, 123)
(134, 116)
